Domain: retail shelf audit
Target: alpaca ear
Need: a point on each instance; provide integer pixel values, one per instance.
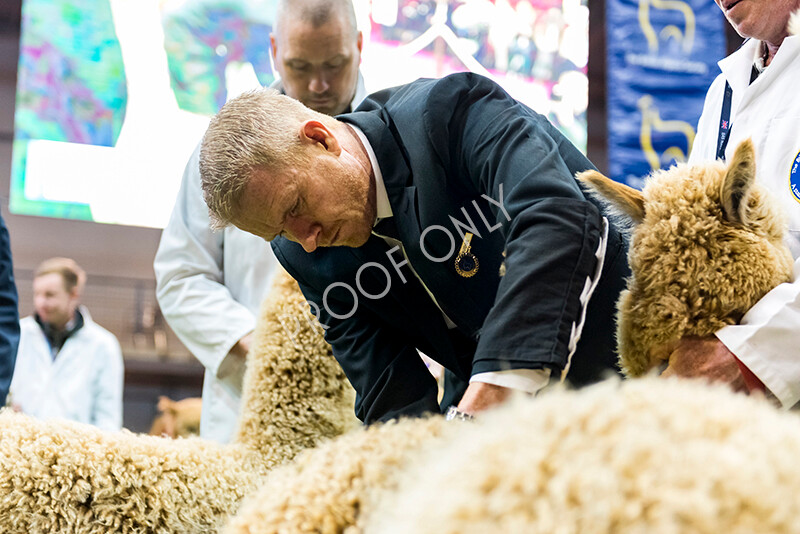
(739, 177)
(624, 198)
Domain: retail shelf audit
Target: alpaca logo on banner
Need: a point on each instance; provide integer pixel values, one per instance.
(662, 57)
(685, 38)
(652, 123)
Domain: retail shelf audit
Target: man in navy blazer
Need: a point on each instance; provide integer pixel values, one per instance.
(397, 220)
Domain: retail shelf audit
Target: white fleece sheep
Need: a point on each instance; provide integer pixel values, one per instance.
(327, 489)
(68, 477)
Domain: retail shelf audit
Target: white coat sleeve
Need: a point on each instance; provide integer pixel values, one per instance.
(109, 382)
(190, 282)
(766, 340)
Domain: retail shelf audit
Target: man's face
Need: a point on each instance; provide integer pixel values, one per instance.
(764, 20)
(328, 203)
(318, 66)
(51, 300)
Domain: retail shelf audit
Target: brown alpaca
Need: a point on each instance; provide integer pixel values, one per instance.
(707, 244)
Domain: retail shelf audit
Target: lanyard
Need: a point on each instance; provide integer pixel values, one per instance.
(724, 123)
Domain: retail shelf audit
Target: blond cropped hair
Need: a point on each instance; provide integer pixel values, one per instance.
(74, 277)
(258, 130)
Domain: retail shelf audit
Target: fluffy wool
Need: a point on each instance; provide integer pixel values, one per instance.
(327, 490)
(67, 477)
(707, 244)
(648, 456)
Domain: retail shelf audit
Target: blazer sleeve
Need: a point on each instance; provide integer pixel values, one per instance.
(552, 232)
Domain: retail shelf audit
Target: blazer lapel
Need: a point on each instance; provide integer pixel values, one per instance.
(402, 192)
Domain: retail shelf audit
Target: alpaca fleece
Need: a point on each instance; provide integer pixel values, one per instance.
(696, 267)
(645, 456)
(65, 477)
(327, 490)
(177, 418)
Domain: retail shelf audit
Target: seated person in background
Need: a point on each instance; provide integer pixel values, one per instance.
(67, 365)
(210, 284)
(394, 220)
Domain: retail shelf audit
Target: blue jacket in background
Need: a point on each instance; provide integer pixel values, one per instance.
(9, 314)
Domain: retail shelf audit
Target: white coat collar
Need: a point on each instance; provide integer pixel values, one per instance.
(737, 66)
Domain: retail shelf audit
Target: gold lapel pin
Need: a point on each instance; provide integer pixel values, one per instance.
(466, 262)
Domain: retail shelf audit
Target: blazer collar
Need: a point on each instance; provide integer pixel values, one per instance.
(392, 159)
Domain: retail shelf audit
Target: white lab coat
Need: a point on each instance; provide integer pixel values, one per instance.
(768, 111)
(209, 287)
(84, 382)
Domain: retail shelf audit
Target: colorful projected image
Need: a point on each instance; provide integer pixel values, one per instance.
(107, 74)
(211, 42)
(113, 95)
(71, 88)
(536, 49)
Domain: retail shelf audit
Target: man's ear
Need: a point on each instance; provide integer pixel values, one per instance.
(314, 131)
(75, 294)
(624, 198)
(272, 48)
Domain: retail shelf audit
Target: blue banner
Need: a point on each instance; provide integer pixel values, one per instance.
(662, 57)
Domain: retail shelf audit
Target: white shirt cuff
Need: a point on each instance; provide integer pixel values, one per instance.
(526, 380)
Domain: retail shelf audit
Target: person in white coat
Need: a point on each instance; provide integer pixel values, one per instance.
(755, 96)
(68, 366)
(211, 284)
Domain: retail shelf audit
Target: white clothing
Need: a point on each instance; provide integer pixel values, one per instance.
(83, 383)
(210, 286)
(767, 111)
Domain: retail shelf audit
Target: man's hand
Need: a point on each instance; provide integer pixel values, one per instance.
(242, 346)
(231, 370)
(694, 357)
(480, 396)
